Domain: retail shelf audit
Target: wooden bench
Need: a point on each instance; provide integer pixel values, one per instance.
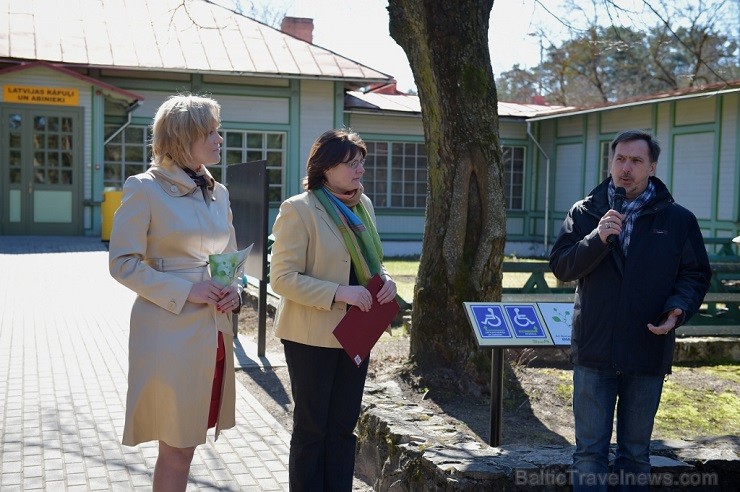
(727, 251)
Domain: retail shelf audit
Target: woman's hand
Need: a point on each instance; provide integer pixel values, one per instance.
(388, 292)
(210, 292)
(355, 295)
(230, 299)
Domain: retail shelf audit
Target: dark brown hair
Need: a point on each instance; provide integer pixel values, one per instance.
(332, 148)
(629, 136)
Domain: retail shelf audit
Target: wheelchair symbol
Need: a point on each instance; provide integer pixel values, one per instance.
(522, 320)
(491, 319)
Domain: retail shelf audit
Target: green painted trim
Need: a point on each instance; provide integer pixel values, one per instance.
(385, 137)
(716, 161)
(402, 212)
(696, 128)
(737, 162)
(401, 236)
(584, 153)
(668, 149)
(292, 173)
(339, 106)
(97, 158)
(197, 85)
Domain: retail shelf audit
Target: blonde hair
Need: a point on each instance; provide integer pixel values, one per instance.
(181, 120)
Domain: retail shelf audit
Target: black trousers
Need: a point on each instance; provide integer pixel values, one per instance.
(327, 392)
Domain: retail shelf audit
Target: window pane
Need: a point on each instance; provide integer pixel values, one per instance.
(14, 122)
(274, 194)
(135, 154)
(234, 139)
(134, 134)
(15, 157)
(112, 174)
(233, 157)
(254, 140)
(132, 169)
(513, 176)
(112, 152)
(274, 158)
(254, 156)
(275, 141)
(274, 176)
(110, 130)
(39, 123)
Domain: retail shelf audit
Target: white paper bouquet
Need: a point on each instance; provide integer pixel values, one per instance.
(227, 267)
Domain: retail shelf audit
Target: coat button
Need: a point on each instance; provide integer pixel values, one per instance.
(173, 188)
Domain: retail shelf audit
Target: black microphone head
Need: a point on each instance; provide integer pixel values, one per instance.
(619, 196)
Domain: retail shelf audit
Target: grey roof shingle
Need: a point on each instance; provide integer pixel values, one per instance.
(167, 35)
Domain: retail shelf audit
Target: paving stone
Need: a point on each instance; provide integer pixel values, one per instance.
(65, 388)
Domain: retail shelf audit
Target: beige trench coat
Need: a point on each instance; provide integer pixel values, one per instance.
(162, 235)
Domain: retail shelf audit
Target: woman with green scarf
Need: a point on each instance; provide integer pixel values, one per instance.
(326, 249)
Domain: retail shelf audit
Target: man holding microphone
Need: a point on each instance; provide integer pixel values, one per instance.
(642, 271)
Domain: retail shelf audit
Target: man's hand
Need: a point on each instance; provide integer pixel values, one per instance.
(668, 324)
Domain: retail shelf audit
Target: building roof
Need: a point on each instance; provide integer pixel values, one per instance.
(167, 35)
(108, 90)
(409, 104)
(709, 90)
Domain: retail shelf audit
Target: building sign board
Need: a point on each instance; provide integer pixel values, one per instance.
(28, 94)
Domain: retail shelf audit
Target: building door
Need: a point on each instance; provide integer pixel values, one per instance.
(41, 170)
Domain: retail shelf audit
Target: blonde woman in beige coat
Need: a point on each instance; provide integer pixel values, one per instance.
(171, 218)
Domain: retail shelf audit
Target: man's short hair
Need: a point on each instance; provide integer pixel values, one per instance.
(630, 135)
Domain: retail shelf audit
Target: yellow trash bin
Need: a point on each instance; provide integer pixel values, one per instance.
(111, 201)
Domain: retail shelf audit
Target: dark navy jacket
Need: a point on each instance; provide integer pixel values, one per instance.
(666, 267)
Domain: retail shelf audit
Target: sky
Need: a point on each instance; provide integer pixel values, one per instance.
(359, 30)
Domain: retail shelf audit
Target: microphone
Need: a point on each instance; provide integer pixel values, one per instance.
(619, 195)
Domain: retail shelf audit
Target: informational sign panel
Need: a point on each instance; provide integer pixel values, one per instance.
(527, 324)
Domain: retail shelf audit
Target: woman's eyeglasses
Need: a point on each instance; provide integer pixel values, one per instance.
(355, 164)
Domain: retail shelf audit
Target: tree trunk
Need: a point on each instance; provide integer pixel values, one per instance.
(465, 229)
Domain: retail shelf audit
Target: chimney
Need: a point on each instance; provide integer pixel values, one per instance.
(298, 27)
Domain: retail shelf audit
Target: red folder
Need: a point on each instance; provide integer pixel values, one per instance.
(359, 331)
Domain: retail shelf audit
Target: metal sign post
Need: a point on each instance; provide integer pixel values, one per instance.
(507, 325)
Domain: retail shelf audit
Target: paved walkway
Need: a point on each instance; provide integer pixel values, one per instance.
(63, 366)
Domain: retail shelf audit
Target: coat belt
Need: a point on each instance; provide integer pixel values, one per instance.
(168, 264)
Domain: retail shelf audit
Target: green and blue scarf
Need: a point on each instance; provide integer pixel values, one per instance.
(359, 234)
